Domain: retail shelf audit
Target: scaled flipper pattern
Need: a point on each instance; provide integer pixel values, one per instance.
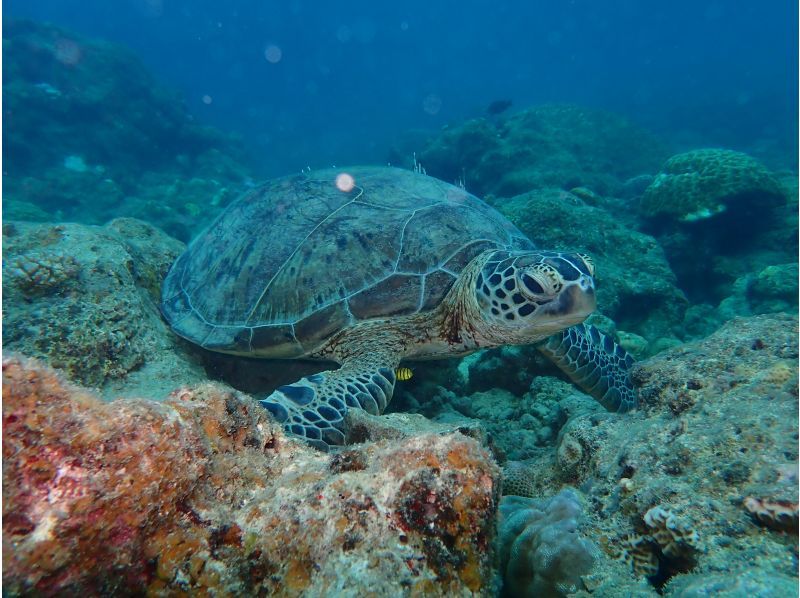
(314, 407)
(595, 363)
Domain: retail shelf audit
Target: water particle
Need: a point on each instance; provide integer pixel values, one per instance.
(273, 54)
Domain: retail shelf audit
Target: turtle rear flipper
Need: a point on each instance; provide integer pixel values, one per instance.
(315, 407)
(595, 363)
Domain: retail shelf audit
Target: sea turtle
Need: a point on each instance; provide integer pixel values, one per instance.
(368, 266)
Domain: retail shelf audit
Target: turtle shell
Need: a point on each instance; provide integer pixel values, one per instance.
(297, 259)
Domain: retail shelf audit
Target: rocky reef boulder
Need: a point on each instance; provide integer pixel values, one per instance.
(203, 494)
(85, 299)
(635, 284)
(545, 146)
(703, 478)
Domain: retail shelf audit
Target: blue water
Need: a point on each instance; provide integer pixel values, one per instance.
(318, 83)
(248, 89)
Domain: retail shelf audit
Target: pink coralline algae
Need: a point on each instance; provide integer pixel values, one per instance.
(203, 495)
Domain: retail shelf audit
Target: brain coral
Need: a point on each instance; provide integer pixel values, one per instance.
(518, 480)
(702, 183)
(540, 551)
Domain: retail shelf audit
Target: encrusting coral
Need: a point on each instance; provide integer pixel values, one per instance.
(202, 494)
(780, 515)
(540, 551)
(675, 537)
(517, 480)
(667, 544)
(41, 272)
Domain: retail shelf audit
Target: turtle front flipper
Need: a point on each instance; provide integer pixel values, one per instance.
(595, 363)
(315, 407)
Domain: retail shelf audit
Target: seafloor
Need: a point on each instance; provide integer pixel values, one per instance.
(134, 462)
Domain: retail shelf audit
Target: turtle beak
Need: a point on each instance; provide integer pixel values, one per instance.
(574, 303)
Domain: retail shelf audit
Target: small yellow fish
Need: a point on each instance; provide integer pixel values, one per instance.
(403, 374)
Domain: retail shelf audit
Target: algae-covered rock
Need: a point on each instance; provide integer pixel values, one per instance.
(545, 146)
(85, 299)
(701, 480)
(745, 583)
(635, 285)
(703, 183)
(634, 344)
(203, 495)
(717, 432)
(776, 283)
(772, 289)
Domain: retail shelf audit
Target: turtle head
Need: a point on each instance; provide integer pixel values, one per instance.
(525, 296)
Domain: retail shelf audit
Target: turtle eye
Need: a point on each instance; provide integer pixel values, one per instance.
(540, 281)
(531, 284)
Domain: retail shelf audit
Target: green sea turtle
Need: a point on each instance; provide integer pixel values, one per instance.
(372, 265)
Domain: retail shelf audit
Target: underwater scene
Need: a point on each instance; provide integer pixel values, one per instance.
(400, 299)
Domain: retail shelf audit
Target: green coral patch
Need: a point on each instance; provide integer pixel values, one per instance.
(703, 183)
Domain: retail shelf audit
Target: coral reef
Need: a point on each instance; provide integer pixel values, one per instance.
(517, 480)
(85, 299)
(733, 584)
(779, 515)
(540, 551)
(545, 146)
(636, 286)
(676, 538)
(517, 426)
(667, 487)
(718, 425)
(93, 136)
(720, 216)
(41, 272)
(201, 494)
(703, 183)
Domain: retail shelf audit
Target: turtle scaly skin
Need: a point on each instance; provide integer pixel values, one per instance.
(595, 363)
(397, 266)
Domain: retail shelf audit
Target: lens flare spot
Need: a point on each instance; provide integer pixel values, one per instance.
(207, 99)
(345, 182)
(432, 104)
(273, 54)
